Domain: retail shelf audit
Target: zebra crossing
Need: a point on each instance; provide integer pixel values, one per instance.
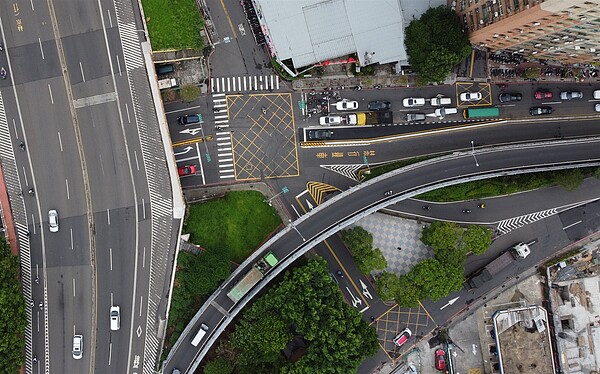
(225, 155)
(220, 111)
(508, 225)
(244, 84)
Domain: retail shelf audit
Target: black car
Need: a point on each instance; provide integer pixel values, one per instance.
(190, 119)
(506, 97)
(379, 105)
(539, 110)
(319, 134)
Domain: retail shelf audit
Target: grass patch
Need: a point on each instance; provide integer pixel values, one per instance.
(568, 179)
(173, 24)
(384, 168)
(238, 222)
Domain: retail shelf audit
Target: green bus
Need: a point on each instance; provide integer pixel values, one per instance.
(481, 112)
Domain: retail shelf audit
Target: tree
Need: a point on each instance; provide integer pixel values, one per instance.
(443, 237)
(387, 285)
(219, 366)
(435, 43)
(408, 293)
(13, 319)
(360, 243)
(305, 304)
(476, 239)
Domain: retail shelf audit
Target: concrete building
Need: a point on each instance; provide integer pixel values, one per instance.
(560, 30)
(575, 305)
(523, 340)
(304, 33)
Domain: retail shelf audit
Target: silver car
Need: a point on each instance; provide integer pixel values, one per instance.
(53, 220)
(77, 347)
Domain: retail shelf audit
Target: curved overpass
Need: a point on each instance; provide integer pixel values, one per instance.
(365, 199)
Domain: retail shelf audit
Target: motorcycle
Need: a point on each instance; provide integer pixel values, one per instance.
(388, 193)
(466, 211)
(22, 146)
(31, 192)
(3, 73)
(426, 207)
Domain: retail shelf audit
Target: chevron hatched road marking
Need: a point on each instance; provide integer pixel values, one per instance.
(348, 171)
(514, 223)
(318, 189)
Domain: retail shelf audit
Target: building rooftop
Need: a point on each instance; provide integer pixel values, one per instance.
(312, 31)
(575, 303)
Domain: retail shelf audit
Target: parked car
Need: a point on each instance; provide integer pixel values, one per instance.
(330, 120)
(379, 105)
(440, 101)
(402, 337)
(597, 94)
(346, 105)
(443, 112)
(440, 360)
(189, 119)
(597, 107)
(470, 96)
(411, 102)
(115, 318)
(319, 134)
(77, 347)
(542, 94)
(186, 170)
(53, 220)
(507, 97)
(411, 117)
(569, 95)
(539, 110)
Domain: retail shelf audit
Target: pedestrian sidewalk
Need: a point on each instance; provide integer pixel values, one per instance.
(8, 223)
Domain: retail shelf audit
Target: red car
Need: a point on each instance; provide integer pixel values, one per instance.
(402, 337)
(543, 94)
(187, 170)
(440, 360)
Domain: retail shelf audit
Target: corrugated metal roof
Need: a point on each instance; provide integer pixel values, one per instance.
(311, 31)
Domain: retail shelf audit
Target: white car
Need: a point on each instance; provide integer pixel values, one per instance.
(411, 102)
(443, 112)
(470, 96)
(53, 220)
(77, 347)
(597, 107)
(115, 318)
(346, 105)
(330, 120)
(597, 94)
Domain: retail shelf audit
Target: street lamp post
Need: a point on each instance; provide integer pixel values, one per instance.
(473, 153)
(283, 190)
(294, 227)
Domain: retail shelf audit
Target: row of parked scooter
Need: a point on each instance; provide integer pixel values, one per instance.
(317, 103)
(509, 59)
(504, 73)
(253, 21)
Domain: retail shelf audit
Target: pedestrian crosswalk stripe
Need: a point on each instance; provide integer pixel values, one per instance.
(244, 83)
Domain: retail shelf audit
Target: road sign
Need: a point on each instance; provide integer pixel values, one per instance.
(285, 189)
(208, 157)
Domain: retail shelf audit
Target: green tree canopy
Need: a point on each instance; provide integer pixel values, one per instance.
(13, 319)
(443, 237)
(477, 239)
(386, 285)
(360, 243)
(435, 43)
(306, 304)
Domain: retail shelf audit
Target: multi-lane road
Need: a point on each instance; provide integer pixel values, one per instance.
(345, 208)
(78, 98)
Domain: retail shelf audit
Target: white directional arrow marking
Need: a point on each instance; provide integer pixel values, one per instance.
(450, 302)
(355, 301)
(310, 206)
(185, 150)
(192, 132)
(365, 290)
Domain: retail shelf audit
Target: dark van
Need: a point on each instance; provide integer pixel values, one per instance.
(164, 69)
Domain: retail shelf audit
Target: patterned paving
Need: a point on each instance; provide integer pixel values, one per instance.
(391, 233)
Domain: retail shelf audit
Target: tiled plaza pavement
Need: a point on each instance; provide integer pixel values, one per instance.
(391, 233)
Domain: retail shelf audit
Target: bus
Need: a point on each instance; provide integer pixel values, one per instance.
(481, 112)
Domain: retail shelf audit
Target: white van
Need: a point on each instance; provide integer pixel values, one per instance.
(439, 101)
(199, 335)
